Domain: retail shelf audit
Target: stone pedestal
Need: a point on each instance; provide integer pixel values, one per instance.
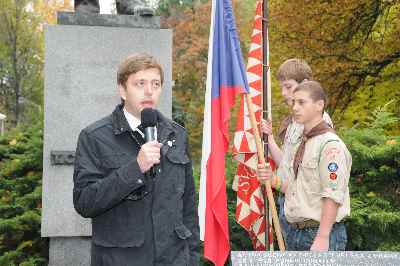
(81, 87)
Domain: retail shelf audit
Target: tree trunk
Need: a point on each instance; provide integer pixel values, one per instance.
(16, 83)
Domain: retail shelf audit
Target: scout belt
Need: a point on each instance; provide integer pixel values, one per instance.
(305, 224)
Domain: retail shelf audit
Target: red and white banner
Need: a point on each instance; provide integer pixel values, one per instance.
(250, 199)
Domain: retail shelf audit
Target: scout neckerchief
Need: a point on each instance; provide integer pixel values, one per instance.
(283, 128)
(319, 129)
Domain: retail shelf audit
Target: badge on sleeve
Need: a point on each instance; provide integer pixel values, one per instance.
(331, 153)
(333, 185)
(333, 176)
(332, 167)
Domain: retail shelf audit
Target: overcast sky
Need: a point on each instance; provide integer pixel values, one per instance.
(105, 6)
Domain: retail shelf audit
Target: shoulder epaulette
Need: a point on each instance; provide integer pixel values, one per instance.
(98, 124)
(178, 125)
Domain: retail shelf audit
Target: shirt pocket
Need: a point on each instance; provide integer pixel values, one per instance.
(310, 175)
(176, 168)
(182, 231)
(184, 234)
(176, 156)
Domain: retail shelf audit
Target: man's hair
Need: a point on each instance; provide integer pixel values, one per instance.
(135, 63)
(296, 69)
(314, 89)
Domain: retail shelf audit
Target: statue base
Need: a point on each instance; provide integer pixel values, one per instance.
(106, 20)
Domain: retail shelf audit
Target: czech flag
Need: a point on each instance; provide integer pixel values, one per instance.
(226, 78)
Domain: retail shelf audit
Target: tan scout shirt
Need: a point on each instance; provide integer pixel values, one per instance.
(323, 173)
(292, 140)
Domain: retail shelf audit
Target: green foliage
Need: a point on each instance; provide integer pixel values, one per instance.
(21, 61)
(351, 45)
(20, 198)
(381, 117)
(374, 223)
(375, 184)
(376, 94)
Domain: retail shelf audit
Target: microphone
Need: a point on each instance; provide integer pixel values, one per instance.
(148, 118)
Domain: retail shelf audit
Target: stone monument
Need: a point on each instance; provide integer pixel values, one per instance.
(82, 54)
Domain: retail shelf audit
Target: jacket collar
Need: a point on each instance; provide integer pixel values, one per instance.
(119, 122)
(121, 125)
(164, 128)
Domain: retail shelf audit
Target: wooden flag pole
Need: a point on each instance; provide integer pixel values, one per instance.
(261, 159)
(266, 106)
(266, 100)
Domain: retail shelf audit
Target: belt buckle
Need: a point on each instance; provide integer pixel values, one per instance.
(301, 225)
(296, 225)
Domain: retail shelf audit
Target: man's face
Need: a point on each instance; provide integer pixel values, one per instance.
(304, 107)
(141, 90)
(287, 88)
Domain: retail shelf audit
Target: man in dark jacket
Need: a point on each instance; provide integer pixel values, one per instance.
(138, 218)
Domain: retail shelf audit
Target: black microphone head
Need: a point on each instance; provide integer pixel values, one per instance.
(148, 117)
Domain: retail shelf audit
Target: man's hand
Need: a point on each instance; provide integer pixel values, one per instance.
(321, 243)
(264, 173)
(266, 127)
(149, 155)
